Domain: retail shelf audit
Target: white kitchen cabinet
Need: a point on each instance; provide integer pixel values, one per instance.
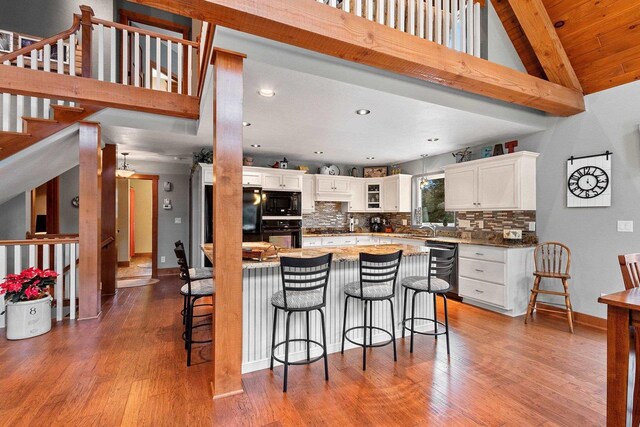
(495, 278)
(280, 179)
(407, 241)
(332, 188)
(339, 240)
(373, 195)
(308, 194)
(251, 178)
(357, 202)
(366, 240)
(396, 193)
(505, 182)
(311, 242)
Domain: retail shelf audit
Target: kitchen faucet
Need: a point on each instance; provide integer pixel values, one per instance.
(431, 226)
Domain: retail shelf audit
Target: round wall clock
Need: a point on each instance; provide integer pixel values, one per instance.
(588, 182)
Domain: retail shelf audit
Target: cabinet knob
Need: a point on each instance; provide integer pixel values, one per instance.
(479, 291)
(479, 271)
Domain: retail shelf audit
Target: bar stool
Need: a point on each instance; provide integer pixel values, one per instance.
(304, 289)
(194, 274)
(552, 261)
(378, 274)
(441, 263)
(192, 290)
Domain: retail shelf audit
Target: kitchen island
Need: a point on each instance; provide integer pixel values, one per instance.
(262, 279)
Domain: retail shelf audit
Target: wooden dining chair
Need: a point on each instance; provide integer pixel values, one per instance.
(630, 268)
(552, 261)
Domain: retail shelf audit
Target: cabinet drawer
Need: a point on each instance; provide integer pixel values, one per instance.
(488, 253)
(252, 180)
(311, 242)
(482, 270)
(482, 291)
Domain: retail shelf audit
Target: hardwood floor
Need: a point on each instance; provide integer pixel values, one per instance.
(128, 368)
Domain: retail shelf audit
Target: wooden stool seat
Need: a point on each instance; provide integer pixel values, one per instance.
(552, 261)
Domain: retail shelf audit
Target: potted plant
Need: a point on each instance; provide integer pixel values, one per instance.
(28, 303)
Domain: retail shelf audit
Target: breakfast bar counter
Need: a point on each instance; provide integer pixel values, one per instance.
(262, 279)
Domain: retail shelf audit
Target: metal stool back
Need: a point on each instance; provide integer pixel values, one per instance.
(304, 289)
(378, 270)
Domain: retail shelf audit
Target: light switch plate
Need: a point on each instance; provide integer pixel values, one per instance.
(178, 220)
(480, 224)
(532, 226)
(404, 222)
(163, 259)
(625, 226)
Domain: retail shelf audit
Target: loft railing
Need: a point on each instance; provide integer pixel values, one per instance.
(451, 23)
(105, 51)
(56, 253)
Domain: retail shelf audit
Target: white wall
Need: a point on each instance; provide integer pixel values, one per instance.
(499, 47)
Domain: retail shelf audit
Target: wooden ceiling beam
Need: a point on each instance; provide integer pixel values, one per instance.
(544, 40)
(317, 27)
(24, 81)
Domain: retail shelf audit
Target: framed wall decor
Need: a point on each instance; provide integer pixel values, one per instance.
(589, 181)
(24, 41)
(374, 171)
(6, 41)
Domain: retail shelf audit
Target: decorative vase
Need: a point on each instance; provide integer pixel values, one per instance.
(27, 319)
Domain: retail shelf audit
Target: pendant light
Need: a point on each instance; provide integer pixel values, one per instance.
(424, 180)
(124, 171)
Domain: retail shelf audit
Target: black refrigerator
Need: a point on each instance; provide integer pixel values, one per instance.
(252, 214)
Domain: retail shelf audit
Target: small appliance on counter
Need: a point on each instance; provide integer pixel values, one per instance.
(352, 224)
(386, 226)
(376, 224)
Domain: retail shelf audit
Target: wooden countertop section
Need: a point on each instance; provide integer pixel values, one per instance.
(340, 254)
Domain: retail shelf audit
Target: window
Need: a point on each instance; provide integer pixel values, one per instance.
(428, 201)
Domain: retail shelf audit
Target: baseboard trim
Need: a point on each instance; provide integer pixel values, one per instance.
(581, 318)
(123, 264)
(144, 254)
(172, 271)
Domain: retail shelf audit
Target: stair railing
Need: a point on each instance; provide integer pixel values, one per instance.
(58, 253)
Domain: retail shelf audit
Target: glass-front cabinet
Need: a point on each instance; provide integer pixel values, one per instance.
(374, 195)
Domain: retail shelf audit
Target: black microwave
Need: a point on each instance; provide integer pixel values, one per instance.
(281, 203)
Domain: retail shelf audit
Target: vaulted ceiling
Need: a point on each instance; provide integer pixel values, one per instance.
(601, 39)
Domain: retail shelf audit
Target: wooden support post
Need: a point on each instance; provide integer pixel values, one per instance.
(87, 27)
(227, 222)
(53, 206)
(90, 220)
(109, 251)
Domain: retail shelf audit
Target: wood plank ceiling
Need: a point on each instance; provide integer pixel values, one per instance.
(601, 38)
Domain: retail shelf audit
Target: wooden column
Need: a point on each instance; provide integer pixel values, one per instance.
(109, 251)
(87, 28)
(53, 206)
(90, 220)
(227, 222)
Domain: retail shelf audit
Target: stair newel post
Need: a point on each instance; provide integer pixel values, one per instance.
(87, 28)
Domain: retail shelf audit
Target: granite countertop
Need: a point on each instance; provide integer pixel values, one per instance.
(340, 254)
(396, 235)
(483, 242)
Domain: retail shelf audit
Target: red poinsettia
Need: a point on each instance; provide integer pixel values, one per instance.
(31, 284)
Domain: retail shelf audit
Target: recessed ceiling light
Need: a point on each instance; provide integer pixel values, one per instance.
(424, 155)
(246, 124)
(433, 139)
(318, 152)
(256, 145)
(363, 112)
(370, 158)
(267, 93)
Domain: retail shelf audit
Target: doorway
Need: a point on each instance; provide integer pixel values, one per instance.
(137, 229)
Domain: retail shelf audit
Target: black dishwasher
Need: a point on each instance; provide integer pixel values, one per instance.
(453, 280)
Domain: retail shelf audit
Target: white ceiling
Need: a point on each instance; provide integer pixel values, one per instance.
(311, 112)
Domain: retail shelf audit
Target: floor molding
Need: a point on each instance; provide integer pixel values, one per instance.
(581, 318)
(123, 264)
(172, 271)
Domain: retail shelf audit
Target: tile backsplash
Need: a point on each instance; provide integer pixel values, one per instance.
(327, 215)
(496, 221)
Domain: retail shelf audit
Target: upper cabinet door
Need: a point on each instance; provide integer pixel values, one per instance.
(324, 184)
(460, 189)
(308, 194)
(498, 186)
(251, 179)
(272, 181)
(341, 185)
(390, 196)
(292, 183)
(356, 204)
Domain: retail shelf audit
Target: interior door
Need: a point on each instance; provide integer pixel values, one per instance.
(460, 189)
(497, 186)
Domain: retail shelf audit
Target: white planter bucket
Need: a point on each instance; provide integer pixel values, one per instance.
(26, 319)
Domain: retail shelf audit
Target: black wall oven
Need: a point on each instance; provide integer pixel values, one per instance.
(284, 233)
(251, 214)
(281, 204)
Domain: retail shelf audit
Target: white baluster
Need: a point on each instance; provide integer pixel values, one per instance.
(112, 66)
(33, 251)
(47, 67)
(346, 5)
(125, 57)
(470, 27)
(412, 17)
(17, 259)
(19, 99)
(421, 18)
(60, 64)
(380, 11)
(45, 257)
(454, 19)
(136, 59)
(158, 58)
(59, 260)
(369, 10)
(101, 52)
(463, 27)
(476, 30)
(33, 112)
(147, 61)
(6, 110)
(3, 274)
(169, 67)
(333, 3)
(180, 68)
(72, 54)
(401, 15)
(358, 7)
(190, 70)
(438, 38)
(430, 19)
(391, 13)
(447, 24)
(72, 281)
